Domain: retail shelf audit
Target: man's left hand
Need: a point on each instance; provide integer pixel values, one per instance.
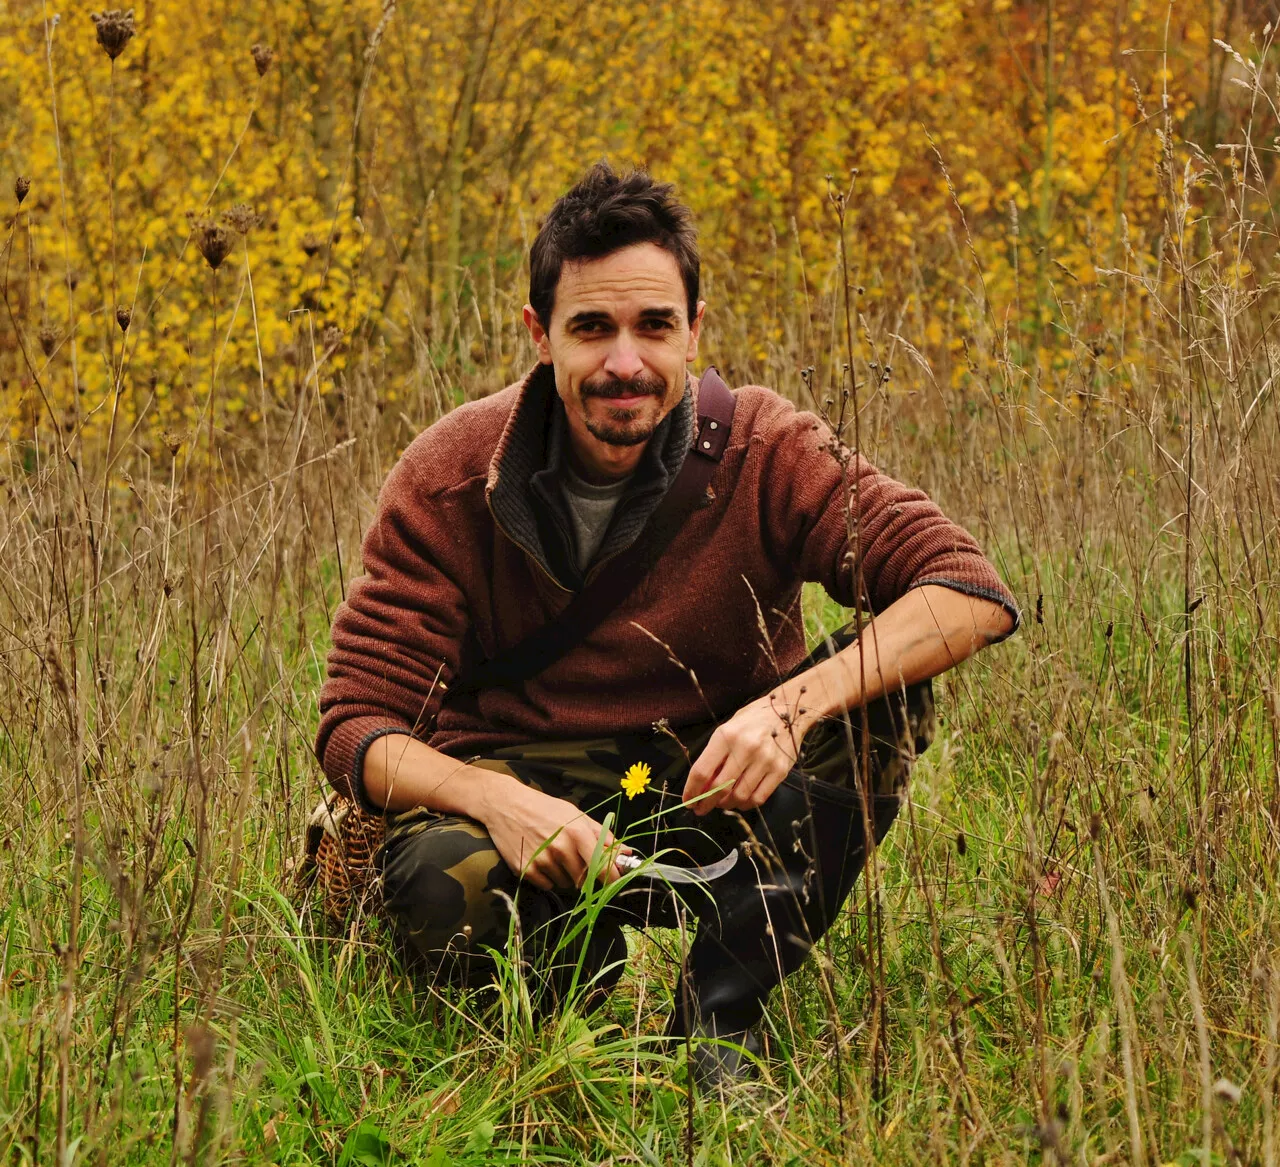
(747, 757)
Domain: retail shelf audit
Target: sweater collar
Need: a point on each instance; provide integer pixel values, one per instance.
(523, 490)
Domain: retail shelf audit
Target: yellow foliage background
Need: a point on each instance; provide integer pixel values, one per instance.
(400, 155)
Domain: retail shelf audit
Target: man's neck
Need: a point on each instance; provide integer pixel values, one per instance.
(598, 471)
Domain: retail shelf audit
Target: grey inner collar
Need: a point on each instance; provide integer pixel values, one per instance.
(601, 491)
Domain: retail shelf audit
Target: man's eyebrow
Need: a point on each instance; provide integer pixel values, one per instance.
(670, 314)
(588, 317)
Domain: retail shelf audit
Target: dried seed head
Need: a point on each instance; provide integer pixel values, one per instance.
(241, 218)
(124, 314)
(115, 30)
(331, 337)
(311, 243)
(263, 55)
(212, 238)
(48, 338)
(174, 442)
(21, 185)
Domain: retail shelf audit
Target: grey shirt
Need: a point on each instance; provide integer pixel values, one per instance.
(591, 508)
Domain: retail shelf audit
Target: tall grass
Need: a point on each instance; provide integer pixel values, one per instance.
(1077, 924)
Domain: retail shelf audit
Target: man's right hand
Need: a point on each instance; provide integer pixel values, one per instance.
(520, 820)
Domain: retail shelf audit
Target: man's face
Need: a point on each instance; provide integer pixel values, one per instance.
(619, 340)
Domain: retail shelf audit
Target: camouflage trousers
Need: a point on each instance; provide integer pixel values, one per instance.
(450, 896)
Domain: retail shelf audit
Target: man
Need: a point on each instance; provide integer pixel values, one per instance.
(661, 528)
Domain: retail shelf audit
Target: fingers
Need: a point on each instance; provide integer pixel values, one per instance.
(563, 859)
(609, 869)
(610, 849)
(571, 858)
(753, 789)
(536, 877)
(740, 768)
(706, 769)
(545, 868)
(573, 847)
(589, 835)
(721, 792)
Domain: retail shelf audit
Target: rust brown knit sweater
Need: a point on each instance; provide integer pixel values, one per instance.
(446, 583)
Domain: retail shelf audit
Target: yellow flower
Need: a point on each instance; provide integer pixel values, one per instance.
(635, 779)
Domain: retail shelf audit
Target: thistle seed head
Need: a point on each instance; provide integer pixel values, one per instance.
(124, 314)
(263, 55)
(241, 218)
(21, 185)
(311, 243)
(48, 338)
(115, 30)
(213, 240)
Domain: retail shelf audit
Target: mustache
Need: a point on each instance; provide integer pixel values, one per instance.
(646, 385)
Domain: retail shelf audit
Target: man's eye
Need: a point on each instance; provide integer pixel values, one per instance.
(658, 325)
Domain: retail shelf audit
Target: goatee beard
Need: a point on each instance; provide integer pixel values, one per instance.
(617, 436)
(623, 432)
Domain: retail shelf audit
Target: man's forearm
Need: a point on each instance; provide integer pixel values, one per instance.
(401, 772)
(926, 632)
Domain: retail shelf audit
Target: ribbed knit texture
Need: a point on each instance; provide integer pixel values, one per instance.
(444, 587)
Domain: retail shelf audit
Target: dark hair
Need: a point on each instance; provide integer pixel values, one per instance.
(603, 213)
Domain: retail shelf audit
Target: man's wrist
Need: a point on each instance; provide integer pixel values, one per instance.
(804, 700)
(489, 790)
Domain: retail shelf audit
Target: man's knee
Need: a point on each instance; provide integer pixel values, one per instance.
(899, 727)
(442, 885)
(903, 725)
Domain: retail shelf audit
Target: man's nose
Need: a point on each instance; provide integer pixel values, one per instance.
(624, 360)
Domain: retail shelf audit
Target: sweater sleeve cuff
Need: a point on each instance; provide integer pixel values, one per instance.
(345, 751)
(996, 596)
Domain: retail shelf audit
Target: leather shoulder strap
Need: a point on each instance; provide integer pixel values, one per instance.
(619, 576)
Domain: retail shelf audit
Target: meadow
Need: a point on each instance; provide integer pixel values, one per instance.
(247, 253)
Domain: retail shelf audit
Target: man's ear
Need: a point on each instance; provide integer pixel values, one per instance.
(537, 334)
(695, 330)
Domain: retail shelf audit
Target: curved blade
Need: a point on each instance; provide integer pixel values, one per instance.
(669, 873)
